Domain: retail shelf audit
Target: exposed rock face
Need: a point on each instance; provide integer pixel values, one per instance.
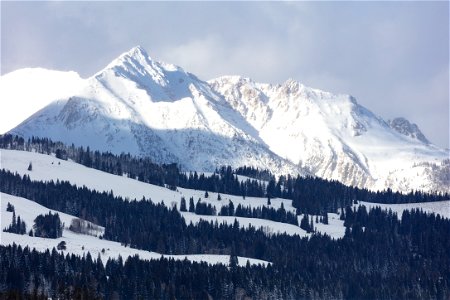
(403, 126)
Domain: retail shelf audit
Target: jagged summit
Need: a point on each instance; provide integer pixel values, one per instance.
(161, 81)
(149, 108)
(403, 126)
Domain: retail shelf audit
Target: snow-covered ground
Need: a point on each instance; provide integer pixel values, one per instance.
(440, 207)
(81, 244)
(47, 167)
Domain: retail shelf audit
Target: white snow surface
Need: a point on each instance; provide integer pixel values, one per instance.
(149, 108)
(81, 244)
(42, 87)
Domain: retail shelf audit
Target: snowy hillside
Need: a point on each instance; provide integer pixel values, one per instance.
(48, 167)
(154, 109)
(81, 244)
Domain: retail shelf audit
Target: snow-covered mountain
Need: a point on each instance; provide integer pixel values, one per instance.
(149, 108)
(334, 137)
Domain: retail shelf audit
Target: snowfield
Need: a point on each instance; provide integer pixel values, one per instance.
(81, 244)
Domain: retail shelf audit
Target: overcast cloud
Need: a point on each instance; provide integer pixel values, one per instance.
(392, 56)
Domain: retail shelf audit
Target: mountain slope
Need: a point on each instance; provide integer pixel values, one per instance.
(149, 108)
(334, 137)
(152, 109)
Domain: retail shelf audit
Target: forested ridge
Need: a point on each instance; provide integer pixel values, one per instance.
(381, 256)
(366, 263)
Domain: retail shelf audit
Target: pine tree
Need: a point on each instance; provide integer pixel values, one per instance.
(191, 205)
(325, 218)
(183, 204)
(234, 261)
(10, 207)
(30, 167)
(231, 208)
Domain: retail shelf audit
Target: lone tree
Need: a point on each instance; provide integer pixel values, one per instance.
(10, 207)
(61, 245)
(30, 167)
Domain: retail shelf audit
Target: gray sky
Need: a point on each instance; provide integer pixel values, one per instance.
(392, 56)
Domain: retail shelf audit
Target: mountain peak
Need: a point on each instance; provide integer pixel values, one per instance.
(137, 52)
(160, 81)
(136, 56)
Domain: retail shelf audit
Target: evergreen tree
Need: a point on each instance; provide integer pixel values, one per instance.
(183, 204)
(191, 205)
(10, 207)
(231, 208)
(325, 218)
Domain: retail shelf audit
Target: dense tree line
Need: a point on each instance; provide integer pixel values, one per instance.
(268, 213)
(253, 172)
(223, 181)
